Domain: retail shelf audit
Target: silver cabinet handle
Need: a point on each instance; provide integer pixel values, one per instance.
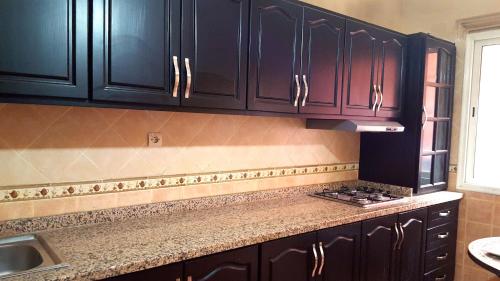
(297, 95)
(445, 214)
(306, 90)
(177, 77)
(441, 278)
(381, 97)
(322, 258)
(376, 97)
(397, 236)
(188, 81)
(442, 257)
(402, 236)
(315, 261)
(425, 116)
(444, 235)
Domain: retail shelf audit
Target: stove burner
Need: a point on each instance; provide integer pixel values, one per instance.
(360, 196)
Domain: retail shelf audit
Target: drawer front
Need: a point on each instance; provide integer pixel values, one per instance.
(444, 273)
(441, 235)
(439, 257)
(443, 214)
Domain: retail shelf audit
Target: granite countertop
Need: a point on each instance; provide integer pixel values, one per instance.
(108, 249)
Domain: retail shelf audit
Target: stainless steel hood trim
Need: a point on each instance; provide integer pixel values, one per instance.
(357, 125)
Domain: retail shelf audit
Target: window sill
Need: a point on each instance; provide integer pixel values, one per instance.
(481, 189)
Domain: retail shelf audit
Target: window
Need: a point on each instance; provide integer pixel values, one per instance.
(480, 156)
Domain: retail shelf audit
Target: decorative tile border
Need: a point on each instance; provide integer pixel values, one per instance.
(47, 191)
(452, 169)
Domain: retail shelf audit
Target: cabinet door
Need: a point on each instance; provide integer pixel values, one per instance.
(411, 249)
(275, 52)
(215, 40)
(360, 69)
(288, 259)
(171, 272)
(378, 248)
(391, 74)
(435, 129)
(341, 246)
(323, 59)
(236, 265)
(43, 48)
(133, 49)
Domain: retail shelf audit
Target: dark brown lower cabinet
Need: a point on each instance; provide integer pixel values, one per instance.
(378, 248)
(239, 265)
(172, 272)
(411, 248)
(341, 246)
(289, 259)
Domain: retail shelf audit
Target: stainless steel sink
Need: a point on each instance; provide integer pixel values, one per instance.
(26, 254)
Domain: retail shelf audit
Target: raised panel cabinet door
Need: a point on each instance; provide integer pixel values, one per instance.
(215, 51)
(323, 60)
(378, 248)
(274, 82)
(171, 272)
(360, 69)
(43, 48)
(391, 74)
(236, 265)
(411, 247)
(289, 259)
(341, 246)
(135, 51)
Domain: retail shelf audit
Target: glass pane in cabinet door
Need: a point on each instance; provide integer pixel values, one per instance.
(430, 101)
(444, 75)
(441, 141)
(431, 72)
(439, 168)
(443, 102)
(425, 172)
(428, 136)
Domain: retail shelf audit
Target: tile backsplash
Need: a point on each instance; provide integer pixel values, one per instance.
(55, 144)
(47, 149)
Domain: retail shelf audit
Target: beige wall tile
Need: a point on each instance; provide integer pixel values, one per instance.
(16, 210)
(480, 211)
(55, 206)
(98, 201)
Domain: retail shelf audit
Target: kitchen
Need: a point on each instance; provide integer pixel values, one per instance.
(247, 140)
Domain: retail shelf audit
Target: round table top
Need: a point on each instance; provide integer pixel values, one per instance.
(479, 253)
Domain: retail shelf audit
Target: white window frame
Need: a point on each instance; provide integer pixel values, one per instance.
(470, 98)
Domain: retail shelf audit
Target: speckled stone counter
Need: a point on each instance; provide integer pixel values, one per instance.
(114, 248)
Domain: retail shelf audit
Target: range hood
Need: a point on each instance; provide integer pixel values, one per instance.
(356, 125)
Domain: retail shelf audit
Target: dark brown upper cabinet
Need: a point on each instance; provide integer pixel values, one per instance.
(215, 52)
(135, 51)
(323, 61)
(418, 157)
(274, 78)
(43, 48)
(296, 58)
(373, 71)
(290, 259)
(237, 265)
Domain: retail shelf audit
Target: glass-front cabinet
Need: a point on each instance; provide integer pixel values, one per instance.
(436, 115)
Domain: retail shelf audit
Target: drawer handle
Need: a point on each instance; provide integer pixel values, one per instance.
(177, 76)
(444, 214)
(442, 258)
(443, 235)
(322, 258)
(188, 80)
(297, 95)
(441, 278)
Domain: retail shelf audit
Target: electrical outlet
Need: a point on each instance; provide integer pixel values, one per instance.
(155, 139)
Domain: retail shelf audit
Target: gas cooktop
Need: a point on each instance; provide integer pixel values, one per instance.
(361, 196)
